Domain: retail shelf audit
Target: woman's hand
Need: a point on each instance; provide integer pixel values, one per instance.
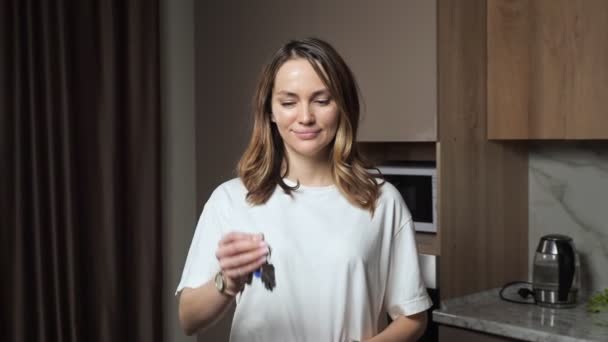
(239, 255)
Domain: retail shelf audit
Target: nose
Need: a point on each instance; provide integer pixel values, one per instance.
(306, 116)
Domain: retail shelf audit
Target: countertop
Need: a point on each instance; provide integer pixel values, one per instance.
(486, 312)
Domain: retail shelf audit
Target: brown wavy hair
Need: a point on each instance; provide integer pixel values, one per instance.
(260, 167)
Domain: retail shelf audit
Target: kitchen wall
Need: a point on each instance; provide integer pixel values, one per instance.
(568, 193)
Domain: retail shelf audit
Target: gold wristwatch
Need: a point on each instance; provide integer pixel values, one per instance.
(220, 284)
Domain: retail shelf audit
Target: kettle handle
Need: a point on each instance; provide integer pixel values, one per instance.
(565, 260)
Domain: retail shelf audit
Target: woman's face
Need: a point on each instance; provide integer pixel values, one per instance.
(305, 113)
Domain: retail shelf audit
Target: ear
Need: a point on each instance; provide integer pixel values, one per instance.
(272, 118)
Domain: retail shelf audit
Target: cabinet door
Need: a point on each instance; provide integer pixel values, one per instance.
(449, 333)
(547, 69)
(391, 47)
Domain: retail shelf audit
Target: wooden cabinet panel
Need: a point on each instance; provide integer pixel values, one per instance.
(449, 334)
(483, 185)
(513, 111)
(391, 47)
(588, 22)
(547, 69)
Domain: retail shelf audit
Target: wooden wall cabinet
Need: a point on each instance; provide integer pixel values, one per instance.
(391, 47)
(449, 334)
(547, 69)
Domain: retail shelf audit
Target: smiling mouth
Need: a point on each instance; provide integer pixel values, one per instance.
(307, 135)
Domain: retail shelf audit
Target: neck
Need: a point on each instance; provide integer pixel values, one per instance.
(310, 171)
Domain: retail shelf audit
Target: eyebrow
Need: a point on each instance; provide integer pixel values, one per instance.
(315, 94)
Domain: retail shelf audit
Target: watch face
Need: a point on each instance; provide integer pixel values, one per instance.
(219, 281)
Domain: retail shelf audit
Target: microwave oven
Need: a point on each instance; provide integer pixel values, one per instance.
(417, 184)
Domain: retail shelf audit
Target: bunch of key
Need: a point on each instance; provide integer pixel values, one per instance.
(265, 273)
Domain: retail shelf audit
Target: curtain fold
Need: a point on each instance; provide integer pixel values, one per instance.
(80, 177)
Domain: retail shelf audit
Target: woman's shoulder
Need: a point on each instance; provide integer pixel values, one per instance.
(234, 184)
(231, 189)
(391, 201)
(388, 191)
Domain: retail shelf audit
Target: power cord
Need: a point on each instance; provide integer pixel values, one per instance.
(523, 292)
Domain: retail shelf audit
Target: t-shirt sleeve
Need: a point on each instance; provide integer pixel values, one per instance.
(405, 292)
(201, 263)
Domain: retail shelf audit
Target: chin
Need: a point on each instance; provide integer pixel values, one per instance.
(309, 151)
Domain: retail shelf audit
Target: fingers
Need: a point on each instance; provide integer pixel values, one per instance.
(239, 254)
(243, 270)
(243, 258)
(236, 236)
(239, 247)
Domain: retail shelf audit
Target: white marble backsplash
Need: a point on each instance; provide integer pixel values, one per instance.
(568, 193)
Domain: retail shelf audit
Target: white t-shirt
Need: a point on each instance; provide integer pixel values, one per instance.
(338, 270)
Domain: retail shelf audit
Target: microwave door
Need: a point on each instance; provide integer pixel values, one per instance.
(417, 192)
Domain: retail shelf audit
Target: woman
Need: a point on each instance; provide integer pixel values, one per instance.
(343, 246)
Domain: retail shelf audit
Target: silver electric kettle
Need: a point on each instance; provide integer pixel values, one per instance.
(555, 280)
